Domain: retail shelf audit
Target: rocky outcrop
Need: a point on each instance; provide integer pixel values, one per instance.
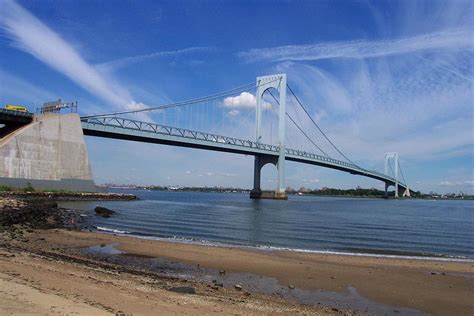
(69, 196)
(103, 211)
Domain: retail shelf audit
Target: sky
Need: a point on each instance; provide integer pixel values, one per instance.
(376, 76)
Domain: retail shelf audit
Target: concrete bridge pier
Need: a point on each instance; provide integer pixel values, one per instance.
(257, 193)
(399, 191)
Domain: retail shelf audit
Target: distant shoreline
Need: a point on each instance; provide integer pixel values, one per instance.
(69, 196)
(246, 191)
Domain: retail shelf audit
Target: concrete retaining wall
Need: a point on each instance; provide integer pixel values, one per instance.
(63, 184)
(50, 153)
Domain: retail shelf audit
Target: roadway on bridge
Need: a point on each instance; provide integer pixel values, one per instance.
(132, 130)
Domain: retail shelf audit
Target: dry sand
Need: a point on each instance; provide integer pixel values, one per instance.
(435, 287)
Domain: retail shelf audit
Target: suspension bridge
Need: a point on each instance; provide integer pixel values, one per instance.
(220, 122)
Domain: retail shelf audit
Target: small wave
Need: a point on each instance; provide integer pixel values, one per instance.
(111, 230)
(205, 242)
(434, 257)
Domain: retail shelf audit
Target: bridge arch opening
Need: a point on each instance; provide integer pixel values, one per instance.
(269, 116)
(269, 177)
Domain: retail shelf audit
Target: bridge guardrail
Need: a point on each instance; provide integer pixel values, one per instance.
(214, 138)
(16, 113)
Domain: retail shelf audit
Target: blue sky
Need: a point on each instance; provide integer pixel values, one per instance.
(377, 76)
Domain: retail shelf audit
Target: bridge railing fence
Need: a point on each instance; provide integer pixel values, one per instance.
(145, 127)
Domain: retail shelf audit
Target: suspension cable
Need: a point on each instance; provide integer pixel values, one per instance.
(401, 172)
(243, 88)
(299, 128)
(391, 169)
(320, 130)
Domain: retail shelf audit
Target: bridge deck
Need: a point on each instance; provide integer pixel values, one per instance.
(12, 120)
(126, 129)
(15, 116)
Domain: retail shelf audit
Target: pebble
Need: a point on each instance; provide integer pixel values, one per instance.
(183, 289)
(238, 287)
(222, 272)
(291, 287)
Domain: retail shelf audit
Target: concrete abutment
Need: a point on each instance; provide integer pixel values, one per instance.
(48, 153)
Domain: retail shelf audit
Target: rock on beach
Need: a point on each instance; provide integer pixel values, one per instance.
(103, 211)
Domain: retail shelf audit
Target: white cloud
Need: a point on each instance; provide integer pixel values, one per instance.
(456, 183)
(127, 61)
(234, 113)
(136, 105)
(244, 100)
(225, 174)
(406, 105)
(460, 39)
(446, 183)
(35, 38)
(411, 92)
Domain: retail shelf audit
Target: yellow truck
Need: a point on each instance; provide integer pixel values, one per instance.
(18, 108)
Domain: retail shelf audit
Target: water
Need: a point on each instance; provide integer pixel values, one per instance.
(441, 228)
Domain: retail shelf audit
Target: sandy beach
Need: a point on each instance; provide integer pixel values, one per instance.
(50, 261)
(50, 269)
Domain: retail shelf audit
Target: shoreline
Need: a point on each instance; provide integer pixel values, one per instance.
(247, 191)
(68, 196)
(264, 248)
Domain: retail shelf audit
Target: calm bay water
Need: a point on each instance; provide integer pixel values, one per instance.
(373, 226)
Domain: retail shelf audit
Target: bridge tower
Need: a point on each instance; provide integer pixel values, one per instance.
(265, 83)
(391, 157)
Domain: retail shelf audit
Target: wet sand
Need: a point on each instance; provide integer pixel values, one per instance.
(424, 286)
(41, 275)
